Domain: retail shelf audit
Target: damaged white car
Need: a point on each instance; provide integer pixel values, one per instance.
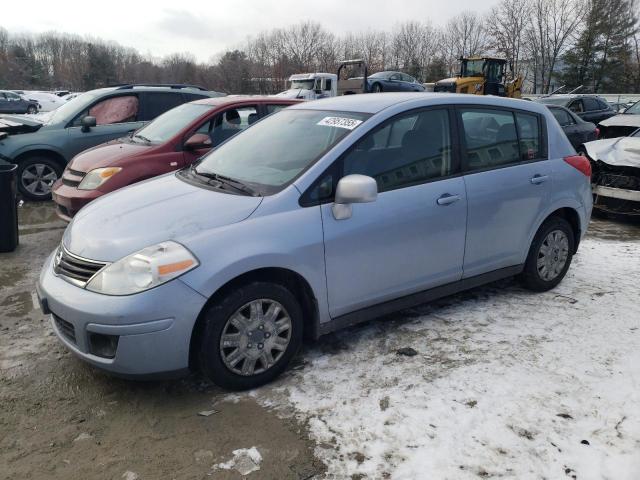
(621, 125)
(615, 163)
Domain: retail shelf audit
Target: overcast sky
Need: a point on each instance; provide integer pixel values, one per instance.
(205, 28)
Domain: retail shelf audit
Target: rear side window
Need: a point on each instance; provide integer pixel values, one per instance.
(591, 104)
(408, 150)
(156, 103)
(562, 117)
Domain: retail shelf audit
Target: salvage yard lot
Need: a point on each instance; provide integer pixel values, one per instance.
(495, 382)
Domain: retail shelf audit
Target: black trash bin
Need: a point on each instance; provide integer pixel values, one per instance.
(8, 207)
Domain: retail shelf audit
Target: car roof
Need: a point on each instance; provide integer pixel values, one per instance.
(153, 88)
(244, 99)
(376, 102)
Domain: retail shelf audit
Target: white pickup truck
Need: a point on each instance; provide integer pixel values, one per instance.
(311, 86)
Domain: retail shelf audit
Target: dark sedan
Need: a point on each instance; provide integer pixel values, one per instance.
(577, 130)
(13, 103)
(588, 107)
(393, 82)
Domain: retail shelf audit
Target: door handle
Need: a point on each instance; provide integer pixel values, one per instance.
(538, 179)
(448, 199)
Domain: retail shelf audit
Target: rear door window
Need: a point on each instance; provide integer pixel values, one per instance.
(491, 138)
(591, 104)
(156, 103)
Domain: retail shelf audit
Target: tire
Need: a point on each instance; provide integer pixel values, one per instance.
(248, 339)
(36, 176)
(555, 236)
(376, 88)
(32, 109)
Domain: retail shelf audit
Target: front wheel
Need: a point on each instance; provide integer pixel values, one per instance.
(31, 109)
(250, 335)
(549, 256)
(36, 176)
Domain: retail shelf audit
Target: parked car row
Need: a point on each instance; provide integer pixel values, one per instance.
(11, 102)
(281, 223)
(42, 146)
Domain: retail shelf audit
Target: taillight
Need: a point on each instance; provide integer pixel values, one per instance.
(597, 132)
(580, 162)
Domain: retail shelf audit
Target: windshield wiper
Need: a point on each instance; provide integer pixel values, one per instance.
(239, 186)
(142, 137)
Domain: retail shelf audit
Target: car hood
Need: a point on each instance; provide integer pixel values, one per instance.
(448, 80)
(623, 120)
(620, 152)
(108, 154)
(12, 124)
(163, 208)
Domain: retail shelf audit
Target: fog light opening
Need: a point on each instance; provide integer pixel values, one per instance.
(103, 345)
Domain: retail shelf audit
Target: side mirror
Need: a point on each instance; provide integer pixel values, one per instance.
(353, 189)
(196, 141)
(87, 123)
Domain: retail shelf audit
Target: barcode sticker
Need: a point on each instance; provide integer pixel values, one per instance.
(340, 122)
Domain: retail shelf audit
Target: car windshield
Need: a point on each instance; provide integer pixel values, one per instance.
(167, 125)
(383, 75)
(274, 151)
(67, 111)
(303, 84)
(634, 109)
(473, 68)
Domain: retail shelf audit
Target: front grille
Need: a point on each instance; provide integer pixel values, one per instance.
(78, 270)
(66, 329)
(72, 178)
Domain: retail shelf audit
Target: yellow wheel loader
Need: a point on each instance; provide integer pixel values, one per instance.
(483, 76)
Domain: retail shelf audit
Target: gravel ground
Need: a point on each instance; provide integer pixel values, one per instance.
(495, 382)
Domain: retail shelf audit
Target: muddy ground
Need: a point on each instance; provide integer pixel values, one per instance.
(61, 419)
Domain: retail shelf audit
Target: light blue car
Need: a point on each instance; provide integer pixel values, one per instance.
(320, 216)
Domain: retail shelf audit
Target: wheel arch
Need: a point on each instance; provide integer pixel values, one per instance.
(288, 278)
(573, 218)
(45, 152)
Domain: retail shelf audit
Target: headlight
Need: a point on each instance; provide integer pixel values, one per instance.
(148, 268)
(97, 177)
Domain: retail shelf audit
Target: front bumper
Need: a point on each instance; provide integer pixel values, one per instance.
(616, 200)
(152, 329)
(69, 200)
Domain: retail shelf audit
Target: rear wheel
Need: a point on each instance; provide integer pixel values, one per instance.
(377, 88)
(250, 335)
(36, 176)
(549, 256)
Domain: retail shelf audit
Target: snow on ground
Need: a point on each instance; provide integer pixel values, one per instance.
(506, 383)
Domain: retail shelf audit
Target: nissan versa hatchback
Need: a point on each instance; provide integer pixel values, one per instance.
(320, 216)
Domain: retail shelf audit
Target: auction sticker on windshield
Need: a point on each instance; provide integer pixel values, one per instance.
(340, 122)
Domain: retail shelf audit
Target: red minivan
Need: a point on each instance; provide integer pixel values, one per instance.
(172, 141)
